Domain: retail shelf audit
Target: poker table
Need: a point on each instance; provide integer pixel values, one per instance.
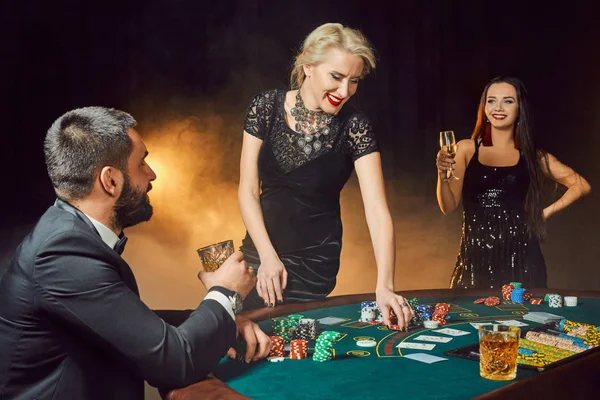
(383, 372)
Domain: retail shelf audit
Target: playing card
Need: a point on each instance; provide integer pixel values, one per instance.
(476, 325)
(437, 339)
(452, 332)
(331, 320)
(426, 358)
(417, 346)
(512, 322)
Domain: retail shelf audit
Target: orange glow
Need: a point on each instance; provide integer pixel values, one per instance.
(196, 160)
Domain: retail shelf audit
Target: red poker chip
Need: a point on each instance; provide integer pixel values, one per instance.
(536, 301)
(492, 301)
(394, 327)
(479, 301)
(374, 322)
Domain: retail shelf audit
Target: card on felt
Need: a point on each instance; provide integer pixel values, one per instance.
(476, 325)
(452, 332)
(417, 346)
(437, 339)
(426, 358)
(512, 322)
(331, 320)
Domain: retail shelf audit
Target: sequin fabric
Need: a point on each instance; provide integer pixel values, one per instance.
(495, 246)
(348, 132)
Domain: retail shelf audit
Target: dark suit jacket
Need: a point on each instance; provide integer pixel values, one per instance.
(72, 325)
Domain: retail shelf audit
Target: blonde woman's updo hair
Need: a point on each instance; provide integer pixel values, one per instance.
(328, 36)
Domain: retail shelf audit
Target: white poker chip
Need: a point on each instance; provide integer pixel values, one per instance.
(430, 324)
(366, 343)
(276, 359)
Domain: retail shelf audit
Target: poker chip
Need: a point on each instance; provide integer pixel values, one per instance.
(368, 311)
(507, 291)
(430, 324)
(275, 359)
(298, 349)
(307, 329)
(536, 301)
(555, 300)
(366, 343)
(527, 296)
(278, 347)
(479, 301)
(492, 301)
(394, 327)
(516, 295)
(324, 347)
(570, 301)
(516, 284)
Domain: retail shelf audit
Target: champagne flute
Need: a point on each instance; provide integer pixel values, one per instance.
(448, 144)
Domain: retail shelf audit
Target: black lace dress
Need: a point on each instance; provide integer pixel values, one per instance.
(495, 247)
(301, 177)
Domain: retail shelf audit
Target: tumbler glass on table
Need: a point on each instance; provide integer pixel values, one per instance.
(214, 256)
(498, 347)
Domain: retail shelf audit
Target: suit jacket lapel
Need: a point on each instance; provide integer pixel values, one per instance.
(124, 270)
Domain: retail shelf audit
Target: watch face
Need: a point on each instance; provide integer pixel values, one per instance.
(236, 303)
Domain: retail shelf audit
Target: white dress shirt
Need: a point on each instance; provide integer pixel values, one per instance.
(111, 238)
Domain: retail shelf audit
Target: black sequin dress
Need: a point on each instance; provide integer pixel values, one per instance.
(301, 177)
(495, 247)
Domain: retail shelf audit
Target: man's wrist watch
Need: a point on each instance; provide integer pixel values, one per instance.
(234, 298)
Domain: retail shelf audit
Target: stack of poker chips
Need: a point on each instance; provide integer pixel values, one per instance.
(516, 284)
(369, 311)
(424, 312)
(570, 301)
(555, 300)
(527, 296)
(307, 329)
(531, 357)
(589, 333)
(324, 346)
(281, 328)
(555, 341)
(293, 320)
(506, 291)
(440, 313)
(298, 349)
(550, 353)
(517, 295)
(416, 319)
(491, 301)
(278, 348)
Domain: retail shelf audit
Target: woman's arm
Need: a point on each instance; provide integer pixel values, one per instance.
(272, 276)
(381, 228)
(576, 185)
(449, 193)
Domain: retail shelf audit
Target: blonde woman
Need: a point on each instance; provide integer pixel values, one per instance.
(300, 147)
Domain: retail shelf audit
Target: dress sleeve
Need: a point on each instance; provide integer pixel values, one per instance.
(361, 137)
(259, 114)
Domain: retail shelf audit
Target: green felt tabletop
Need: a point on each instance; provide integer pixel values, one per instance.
(382, 372)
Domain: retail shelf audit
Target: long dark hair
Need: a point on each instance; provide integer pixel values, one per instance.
(529, 152)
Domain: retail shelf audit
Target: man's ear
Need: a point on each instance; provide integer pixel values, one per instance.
(111, 180)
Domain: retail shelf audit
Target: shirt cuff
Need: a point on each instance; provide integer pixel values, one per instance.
(222, 300)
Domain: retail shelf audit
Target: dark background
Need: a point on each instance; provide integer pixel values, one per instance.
(162, 59)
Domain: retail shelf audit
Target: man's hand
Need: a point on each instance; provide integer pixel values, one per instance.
(234, 275)
(258, 344)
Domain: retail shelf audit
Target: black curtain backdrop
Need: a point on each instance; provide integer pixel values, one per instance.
(163, 58)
